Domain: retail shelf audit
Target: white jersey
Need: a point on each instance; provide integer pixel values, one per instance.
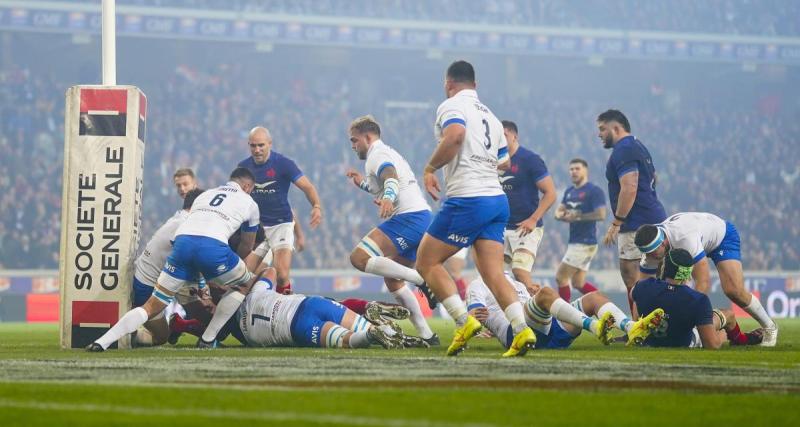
(265, 317)
(473, 171)
(409, 197)
(478, 294)
(151, 260)
(219, 212)
(697, 232)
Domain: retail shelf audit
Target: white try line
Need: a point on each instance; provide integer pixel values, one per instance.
(228, 414)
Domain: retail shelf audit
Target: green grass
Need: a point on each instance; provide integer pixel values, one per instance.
(586, 385)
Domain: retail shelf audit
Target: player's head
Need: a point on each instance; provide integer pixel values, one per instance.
(184, 181)
(677, 266)
(460, 75)
(260, 142)
(244, 178)
(652, 241)
(578, 170)
(190, 196)
(363, 132)
(510, 131)
(612, 126)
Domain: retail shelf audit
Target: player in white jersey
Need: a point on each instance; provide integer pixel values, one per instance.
(390, 249)
(147, 268)
(471, 148)
(704, 235)
(269, 319)
(201, 247)
(543, 303)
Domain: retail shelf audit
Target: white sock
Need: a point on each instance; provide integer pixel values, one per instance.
(756, 310)
(126, 324)
(516, 316)
(225, 309)
(565, 312)
(620, 319)
(406, 298)
(456, 308)
(359, 339)
(385, 267)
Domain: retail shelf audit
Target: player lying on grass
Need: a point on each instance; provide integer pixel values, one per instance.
(543, 303)
(704, 235)
(689, 320)
(269, 319)
(201, 247)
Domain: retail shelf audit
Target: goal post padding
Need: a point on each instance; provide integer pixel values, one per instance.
(104, 136)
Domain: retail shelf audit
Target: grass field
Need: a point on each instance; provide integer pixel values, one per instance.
(586, 385)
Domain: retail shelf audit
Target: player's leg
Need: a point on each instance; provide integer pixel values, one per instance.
(374, 254)
(597, 304)
(431, 254)
(455, 267)
(522, 250)
(731, 279)
(134, 318)
(564, 274)
(320, 322)
(403, 295)
(629, 258)
(725, 320)
(573, 316)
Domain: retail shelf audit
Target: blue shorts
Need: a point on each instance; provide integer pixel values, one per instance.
(309, 318)
(730, 246)
(199, 254)
(406, 231)
(141, 292)
(557, 338)
(463, 220)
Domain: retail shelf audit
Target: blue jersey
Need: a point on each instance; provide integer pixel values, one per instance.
(630, 155)
(585, 199)
(519, 184)
(684, 310)
(273, 179)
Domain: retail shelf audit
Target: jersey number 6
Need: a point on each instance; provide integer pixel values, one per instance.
(218, 199)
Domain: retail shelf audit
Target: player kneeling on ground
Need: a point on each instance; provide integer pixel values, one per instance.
(543, 303)
(689, 320)
(269, 319)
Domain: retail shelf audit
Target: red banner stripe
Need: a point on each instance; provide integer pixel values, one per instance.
(104, 100)
(98, 312)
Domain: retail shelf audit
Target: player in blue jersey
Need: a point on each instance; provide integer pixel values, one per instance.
(274, 174)
(689, 320)
(631, 177)
(472, 147)
(582, 206)
(522, 182)
(390, 249)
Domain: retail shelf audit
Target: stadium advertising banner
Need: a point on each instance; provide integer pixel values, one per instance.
(101, 208)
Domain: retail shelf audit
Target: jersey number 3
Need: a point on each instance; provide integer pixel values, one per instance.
(488, 143)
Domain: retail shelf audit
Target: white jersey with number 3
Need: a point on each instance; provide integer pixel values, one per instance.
(219, 212)
(409, 197)
(265, 317)
(473, 172)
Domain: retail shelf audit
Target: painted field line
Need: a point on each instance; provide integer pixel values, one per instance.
(228, 414)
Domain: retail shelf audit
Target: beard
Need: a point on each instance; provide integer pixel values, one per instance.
(608, 142)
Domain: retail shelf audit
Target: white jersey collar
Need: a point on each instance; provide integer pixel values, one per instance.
(373, 145)
(234, 184)
(472, 93)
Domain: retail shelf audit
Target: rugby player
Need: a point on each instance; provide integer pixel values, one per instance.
(471, 148)
(274, 174)
(522, 182)
(543, 303)
(689, 320)
(184, 181)
(269, 319)
(631, 176)
(201, 247)
(147, 268)
(390, 249)
(705, 235)
(455, 268)
(582, 206)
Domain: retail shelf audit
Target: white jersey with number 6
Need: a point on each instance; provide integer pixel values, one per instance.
(409, 197)
(473, 172)
(219, 212)
(265, 317)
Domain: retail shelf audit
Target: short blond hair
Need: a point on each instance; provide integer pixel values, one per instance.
(365, 124)
(183, 172)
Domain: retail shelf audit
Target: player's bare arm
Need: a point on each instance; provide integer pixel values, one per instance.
(246, 243)
(449, 146)
(598, 214)
(627, 195)
(548, 190)
(305, 185)
(701, 275)
(709, 336)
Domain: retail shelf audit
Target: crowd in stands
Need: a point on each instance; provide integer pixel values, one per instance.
(748, 17)
(743, 165)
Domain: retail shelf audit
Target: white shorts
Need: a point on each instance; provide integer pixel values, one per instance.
(627, 248)
(461, 254)
(279, 236)
(579, 255)
(530, 242)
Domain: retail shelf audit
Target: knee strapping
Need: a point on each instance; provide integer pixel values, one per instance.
(537, 314)
(370, 247)
(335, 336)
